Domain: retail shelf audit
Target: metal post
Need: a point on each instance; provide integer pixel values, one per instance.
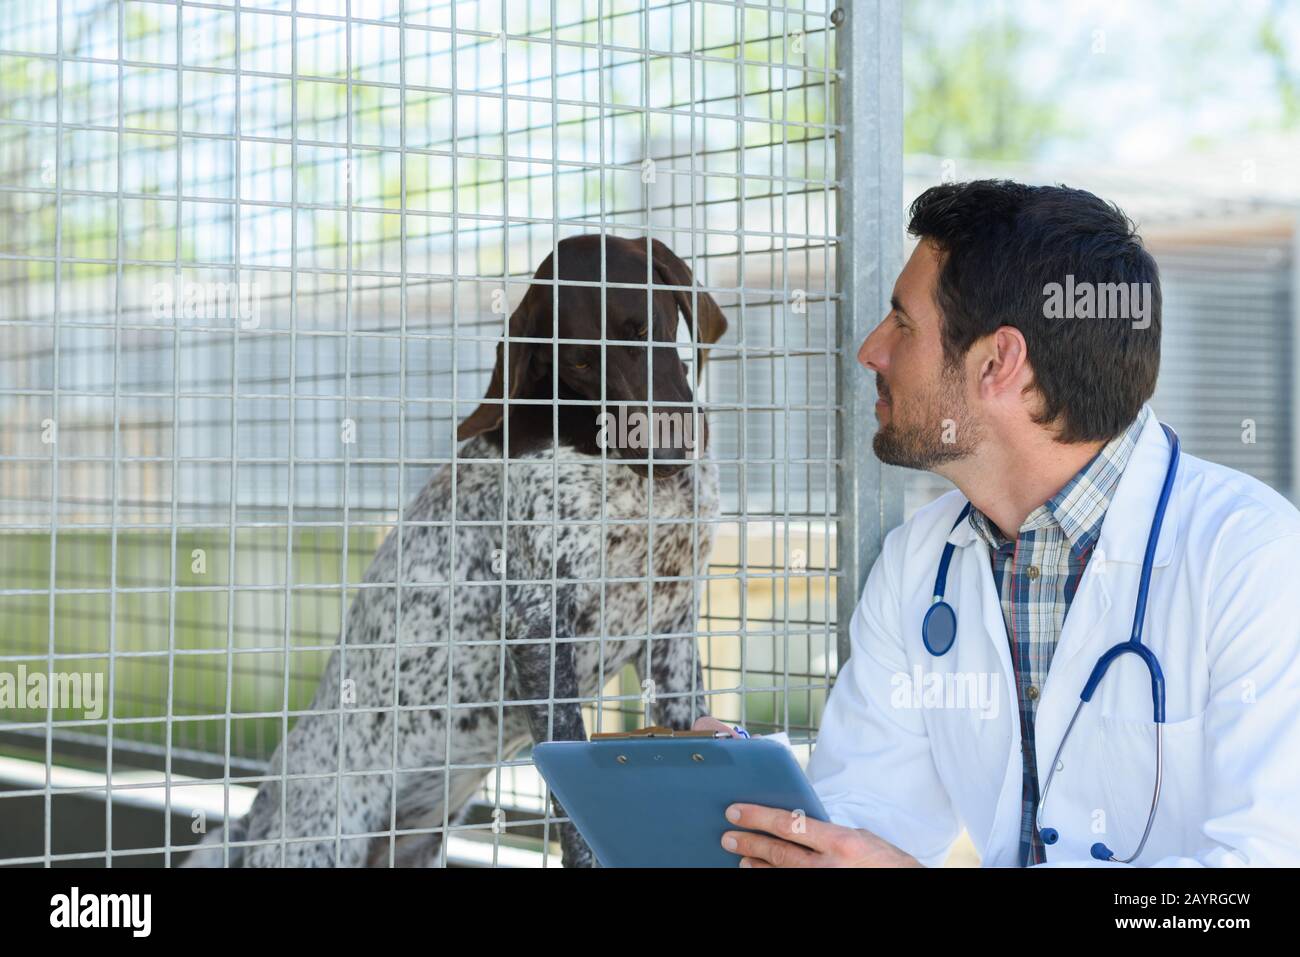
(869, 167)
(1295, 353)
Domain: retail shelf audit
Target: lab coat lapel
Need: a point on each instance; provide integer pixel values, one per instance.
(1090, 628)
(1116, 561)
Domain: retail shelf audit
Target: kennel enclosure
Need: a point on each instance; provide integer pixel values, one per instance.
(257, 257)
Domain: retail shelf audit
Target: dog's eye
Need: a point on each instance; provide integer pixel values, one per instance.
(580, 365)
(641, 333)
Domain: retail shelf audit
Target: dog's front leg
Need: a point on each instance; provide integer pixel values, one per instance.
(675, 673)
(678, 684)
(554, 713)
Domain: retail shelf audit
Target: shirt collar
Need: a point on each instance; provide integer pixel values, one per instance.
(1079, 508)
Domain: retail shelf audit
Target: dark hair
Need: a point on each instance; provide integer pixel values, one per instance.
(1003, 244)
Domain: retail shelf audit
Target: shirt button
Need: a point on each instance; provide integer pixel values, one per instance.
(1032, 572)
(1032, 692)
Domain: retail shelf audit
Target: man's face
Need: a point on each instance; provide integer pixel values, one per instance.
(924, 413)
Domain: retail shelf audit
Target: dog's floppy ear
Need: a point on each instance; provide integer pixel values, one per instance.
(523, 369)
(672, 271)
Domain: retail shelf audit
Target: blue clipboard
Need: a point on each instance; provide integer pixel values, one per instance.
(656, 798)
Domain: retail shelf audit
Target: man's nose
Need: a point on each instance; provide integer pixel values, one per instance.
(873, 353)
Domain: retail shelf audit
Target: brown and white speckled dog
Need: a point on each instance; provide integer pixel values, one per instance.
(579, 540)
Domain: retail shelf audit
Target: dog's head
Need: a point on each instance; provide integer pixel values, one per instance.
(637, 377)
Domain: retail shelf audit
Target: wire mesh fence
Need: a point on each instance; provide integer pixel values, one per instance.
(256, 264)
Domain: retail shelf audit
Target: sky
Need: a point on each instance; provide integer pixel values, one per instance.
(1142, 82)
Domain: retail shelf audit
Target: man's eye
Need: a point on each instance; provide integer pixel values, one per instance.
(900, 321)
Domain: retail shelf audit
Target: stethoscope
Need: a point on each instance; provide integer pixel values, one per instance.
(939, 631)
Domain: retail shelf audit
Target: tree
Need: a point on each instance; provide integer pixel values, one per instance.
(966, 92)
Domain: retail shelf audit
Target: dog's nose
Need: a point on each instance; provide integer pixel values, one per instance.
(661, 472)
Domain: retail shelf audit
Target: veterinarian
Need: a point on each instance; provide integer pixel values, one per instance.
(1028, 579)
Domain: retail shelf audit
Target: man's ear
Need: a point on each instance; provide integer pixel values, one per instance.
(1006, 366)
(523, 369)
(710, 324)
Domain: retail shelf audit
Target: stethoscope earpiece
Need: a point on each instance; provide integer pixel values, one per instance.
(1049, 835)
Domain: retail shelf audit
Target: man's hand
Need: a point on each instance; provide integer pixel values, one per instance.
(709, 723)
(795, 840)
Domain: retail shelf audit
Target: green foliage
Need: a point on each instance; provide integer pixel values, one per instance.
(966, 91)
(1273, 41)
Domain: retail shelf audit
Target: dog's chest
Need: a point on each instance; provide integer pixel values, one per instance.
(655, 538)
(653, 543)
(631, 547)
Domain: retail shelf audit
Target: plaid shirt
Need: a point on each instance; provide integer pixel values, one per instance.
(1037, 576)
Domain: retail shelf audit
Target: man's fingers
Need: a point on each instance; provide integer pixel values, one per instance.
(791, 825)
(772, 850)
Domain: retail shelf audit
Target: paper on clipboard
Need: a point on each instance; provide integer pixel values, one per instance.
(659, 731)
(781, 738)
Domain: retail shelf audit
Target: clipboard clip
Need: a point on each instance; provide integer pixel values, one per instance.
(656, 731)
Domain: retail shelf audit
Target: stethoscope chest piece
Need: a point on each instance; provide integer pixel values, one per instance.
(939, 628)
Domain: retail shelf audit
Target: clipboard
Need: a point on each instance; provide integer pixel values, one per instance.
(657, 797)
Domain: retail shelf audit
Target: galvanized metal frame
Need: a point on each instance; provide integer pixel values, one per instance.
(870, 219)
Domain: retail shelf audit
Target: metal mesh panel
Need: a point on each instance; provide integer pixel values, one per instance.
(256, 261)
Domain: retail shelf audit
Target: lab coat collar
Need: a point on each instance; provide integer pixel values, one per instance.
(1127, 524)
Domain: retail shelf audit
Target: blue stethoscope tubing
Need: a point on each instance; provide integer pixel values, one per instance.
(939, 632)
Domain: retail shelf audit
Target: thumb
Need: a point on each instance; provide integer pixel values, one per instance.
(709, 723)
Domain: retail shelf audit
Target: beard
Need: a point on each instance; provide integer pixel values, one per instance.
(942, 430)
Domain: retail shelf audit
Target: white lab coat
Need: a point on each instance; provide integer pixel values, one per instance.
(1224, 619)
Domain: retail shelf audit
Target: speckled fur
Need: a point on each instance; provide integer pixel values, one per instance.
(567, 499)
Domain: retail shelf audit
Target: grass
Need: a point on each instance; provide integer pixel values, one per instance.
(217, 626)
(209, 618)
